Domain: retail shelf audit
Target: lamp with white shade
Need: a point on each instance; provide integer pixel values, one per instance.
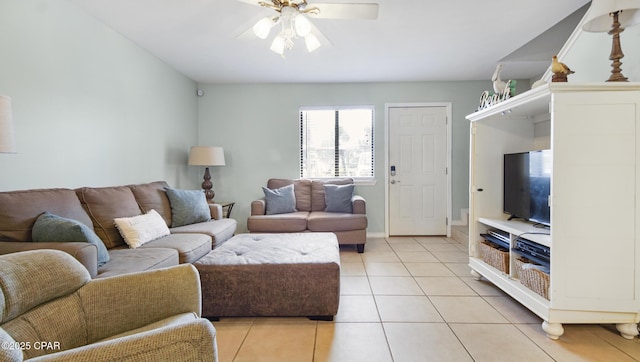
(7, 140)
(612, 16)
(207, 156)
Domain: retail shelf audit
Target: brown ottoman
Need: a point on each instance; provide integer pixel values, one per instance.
(259, 275)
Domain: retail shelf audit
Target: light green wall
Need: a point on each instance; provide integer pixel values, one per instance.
(90, 107)
(258, 127)
(588, 56)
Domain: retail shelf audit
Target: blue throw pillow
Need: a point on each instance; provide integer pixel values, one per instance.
(337, 198)
(188, 207)
(50, 227)
(280, 201)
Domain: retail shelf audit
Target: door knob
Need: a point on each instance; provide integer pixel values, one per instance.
(394, 181)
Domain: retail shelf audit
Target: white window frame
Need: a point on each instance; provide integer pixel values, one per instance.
(362, 180)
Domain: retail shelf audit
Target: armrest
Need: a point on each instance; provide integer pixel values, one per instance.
(141, 298)
(85, 253)
(359, 204)
(216, 211)
(194, 341)
(258, 207)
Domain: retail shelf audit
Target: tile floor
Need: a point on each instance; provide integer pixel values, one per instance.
(412, 299)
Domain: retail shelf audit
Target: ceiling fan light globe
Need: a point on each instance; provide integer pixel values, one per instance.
(278, 44)
(312, 42)
(262, 28)
(303, 25)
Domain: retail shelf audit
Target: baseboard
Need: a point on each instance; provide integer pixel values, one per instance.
(464, 218)
(374, 235)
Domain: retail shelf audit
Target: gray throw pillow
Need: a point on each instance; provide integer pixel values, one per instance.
(337, 198)
(50, 227)
(188, 207)
(280, 201)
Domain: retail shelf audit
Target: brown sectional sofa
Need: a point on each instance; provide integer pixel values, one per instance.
(350, 228)
(97, 208)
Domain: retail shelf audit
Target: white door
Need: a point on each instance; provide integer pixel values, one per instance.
(417, 170)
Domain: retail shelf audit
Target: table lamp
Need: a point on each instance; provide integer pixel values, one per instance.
(206, 156)
(613, 16)
(7, 141)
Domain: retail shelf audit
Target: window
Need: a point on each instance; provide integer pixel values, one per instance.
(336, 142)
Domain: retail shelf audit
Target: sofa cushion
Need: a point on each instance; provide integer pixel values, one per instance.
(190, 247)
(104, 204)
(61, 275)
(125, 260)
(332, 221)
(283, 223)
(219, 230)
(338, 198)
(152, 196)
(49, 227)
(317, 191)
(141, 229)
(188, 207)
(280, 201)
(301, 189)
(20, 209)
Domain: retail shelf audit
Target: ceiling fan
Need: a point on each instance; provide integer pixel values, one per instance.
(292, 18)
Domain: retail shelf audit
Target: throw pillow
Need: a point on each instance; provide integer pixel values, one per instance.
(50, 227)
(188, 207)
(141, 229)
(337, 198)
(280, 201)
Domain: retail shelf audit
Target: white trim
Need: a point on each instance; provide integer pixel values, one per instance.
(464, 218)
(387, 106)
(379, 235)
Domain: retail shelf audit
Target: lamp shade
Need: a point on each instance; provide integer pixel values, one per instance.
(206, 156)
(7, 140)
(263, 27)
(598, 18)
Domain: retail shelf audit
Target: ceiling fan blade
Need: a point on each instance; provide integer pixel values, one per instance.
(321, 38)
(247, 34)
(344, 11)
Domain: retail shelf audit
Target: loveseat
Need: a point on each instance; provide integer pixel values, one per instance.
(51, 310)
(177, 237)
(312, 209)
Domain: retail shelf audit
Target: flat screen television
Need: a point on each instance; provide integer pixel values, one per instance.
(527, 185)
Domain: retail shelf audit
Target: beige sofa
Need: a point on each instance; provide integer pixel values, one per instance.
(350, 228)
(51, 310)
(97, 207)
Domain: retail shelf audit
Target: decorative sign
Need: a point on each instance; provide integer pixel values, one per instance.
(489, 98)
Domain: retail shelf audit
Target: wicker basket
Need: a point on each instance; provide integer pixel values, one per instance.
(494, 256)
(532, 278)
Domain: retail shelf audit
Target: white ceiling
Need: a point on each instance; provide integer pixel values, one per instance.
(412, 40)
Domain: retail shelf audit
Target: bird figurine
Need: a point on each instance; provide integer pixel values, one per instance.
(560, 70)
(498, 84)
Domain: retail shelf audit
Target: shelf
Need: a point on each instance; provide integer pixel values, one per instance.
(517, 227)
(513, 287)
(594, 261)
(529, 103)
(536, 101)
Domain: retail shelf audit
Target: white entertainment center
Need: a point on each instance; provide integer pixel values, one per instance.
(593, 131)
